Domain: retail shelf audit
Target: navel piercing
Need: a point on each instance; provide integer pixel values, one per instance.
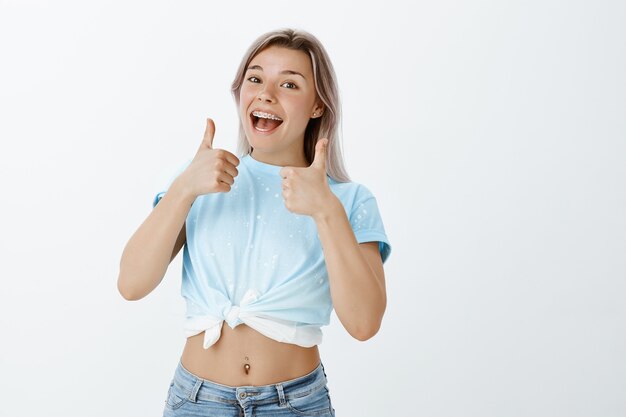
(246, 367)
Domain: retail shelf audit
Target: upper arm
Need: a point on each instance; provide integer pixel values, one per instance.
(371, 253)
(367, 223)
(180, 241)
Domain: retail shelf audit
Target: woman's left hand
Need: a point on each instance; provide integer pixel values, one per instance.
(306, 190)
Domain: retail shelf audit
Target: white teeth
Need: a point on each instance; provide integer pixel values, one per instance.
(265, 115)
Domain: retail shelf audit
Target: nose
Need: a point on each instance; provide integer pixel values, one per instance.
(265, 95)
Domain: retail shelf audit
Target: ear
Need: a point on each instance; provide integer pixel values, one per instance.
(318, 110)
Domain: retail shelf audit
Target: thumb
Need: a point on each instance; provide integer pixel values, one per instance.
(320, 154)
(209, 132)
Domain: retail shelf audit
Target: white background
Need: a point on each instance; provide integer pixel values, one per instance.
(492, 134)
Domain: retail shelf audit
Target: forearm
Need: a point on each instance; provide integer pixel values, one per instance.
(357, 295)
(148, 252)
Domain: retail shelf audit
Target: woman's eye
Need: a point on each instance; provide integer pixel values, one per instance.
(292, 85)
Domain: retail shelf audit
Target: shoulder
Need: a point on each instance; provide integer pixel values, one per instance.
(350, 193)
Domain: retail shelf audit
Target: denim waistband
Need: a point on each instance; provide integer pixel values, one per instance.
(203, 389)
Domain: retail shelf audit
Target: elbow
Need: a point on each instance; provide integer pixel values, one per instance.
(126, 293)
(363, 336)
(368, 328)
(365, 328)
(366, 332)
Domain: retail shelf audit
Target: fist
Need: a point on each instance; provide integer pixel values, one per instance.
(211, 170)
(306, 190)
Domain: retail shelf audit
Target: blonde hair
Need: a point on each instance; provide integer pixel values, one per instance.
(325, 126)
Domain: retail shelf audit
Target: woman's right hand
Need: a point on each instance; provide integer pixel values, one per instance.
(211, 170)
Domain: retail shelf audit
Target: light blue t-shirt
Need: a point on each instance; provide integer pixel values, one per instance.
(248, 259)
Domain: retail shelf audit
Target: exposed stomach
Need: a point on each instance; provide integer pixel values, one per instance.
(268, 361)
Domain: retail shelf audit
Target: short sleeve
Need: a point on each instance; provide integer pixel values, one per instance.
(163, 190)
(367, 222)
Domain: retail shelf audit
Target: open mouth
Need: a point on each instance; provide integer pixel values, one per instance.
(264, 125)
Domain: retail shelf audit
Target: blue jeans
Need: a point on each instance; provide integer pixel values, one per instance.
(190, 395)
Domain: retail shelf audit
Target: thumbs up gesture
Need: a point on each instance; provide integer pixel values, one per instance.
(211, 170)
(306, 190)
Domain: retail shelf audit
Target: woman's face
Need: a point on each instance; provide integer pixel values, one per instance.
(278, 81)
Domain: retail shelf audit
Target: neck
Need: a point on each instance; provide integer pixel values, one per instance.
(274, 158)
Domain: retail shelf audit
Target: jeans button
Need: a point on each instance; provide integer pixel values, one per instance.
(242, 395)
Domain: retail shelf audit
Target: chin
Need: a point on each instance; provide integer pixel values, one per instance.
(262, 147)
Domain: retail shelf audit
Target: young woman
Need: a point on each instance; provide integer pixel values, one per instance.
(274, 239)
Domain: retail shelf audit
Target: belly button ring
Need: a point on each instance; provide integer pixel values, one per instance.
(246, 367)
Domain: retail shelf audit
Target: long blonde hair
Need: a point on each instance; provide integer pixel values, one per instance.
(325, 126)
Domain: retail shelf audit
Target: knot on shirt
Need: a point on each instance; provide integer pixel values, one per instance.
(232, 313)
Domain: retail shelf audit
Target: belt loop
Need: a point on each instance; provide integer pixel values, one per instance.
(193, 395)
(281, 395)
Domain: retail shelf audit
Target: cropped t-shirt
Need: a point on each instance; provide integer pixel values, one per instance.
(248, 259)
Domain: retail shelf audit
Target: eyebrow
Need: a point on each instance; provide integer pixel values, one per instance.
(291, 72)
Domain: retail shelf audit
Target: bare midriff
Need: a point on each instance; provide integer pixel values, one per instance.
(268, 361)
